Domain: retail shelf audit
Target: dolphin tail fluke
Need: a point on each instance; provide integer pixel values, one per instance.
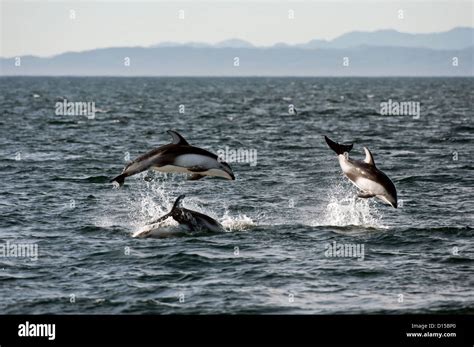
(120, 179)
(336, 147)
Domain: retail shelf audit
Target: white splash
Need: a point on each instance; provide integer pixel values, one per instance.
(150, 200)
(344, 208)
(240, 222)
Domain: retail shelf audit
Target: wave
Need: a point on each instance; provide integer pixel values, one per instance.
(88, 179)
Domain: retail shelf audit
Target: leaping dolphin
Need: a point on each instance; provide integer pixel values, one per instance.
(194, 221)
(364, 175)
(178, 156)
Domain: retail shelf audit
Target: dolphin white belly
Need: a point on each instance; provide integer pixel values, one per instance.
(157, 231)
(369, 186)
(190, 160)
(192, 164)
(172, 168)
(183, 164)
(361, 182)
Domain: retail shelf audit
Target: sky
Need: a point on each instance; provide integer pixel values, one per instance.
(46, 28)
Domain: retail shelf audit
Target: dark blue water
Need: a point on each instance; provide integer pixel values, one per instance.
(280, 215)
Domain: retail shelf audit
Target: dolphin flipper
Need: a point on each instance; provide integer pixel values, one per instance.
(195, 177)
(161, 219)
(364, 195)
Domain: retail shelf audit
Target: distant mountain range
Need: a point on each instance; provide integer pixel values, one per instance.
(457, 38)
(378, 53)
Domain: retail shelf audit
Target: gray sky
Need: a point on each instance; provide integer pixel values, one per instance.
(44, 28)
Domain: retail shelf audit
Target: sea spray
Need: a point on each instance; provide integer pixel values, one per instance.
(344, 208)
(237, 223)
(151, 199)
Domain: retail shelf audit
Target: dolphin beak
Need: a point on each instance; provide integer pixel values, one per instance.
(232, 177)
(226, 168)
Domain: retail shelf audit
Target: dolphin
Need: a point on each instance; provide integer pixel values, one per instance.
(364, 174)
(178, 156)
(192, 220)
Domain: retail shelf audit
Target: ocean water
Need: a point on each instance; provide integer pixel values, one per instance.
(281, 215)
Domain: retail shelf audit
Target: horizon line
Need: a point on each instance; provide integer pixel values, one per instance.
(232, 76)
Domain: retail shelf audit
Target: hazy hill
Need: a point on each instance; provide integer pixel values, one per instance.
(380, 53)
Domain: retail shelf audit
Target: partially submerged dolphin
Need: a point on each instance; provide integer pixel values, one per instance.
(192, 220)
(364, 175)
(178, 156)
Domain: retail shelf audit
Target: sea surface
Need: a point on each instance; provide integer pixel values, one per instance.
(283, 213)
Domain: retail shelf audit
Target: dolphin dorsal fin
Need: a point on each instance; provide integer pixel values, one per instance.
(177, 202)
(369, 158)
(177, 138)
(170, 213)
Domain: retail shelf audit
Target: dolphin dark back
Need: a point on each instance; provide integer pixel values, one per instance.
(194, 220)
(178, 157)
